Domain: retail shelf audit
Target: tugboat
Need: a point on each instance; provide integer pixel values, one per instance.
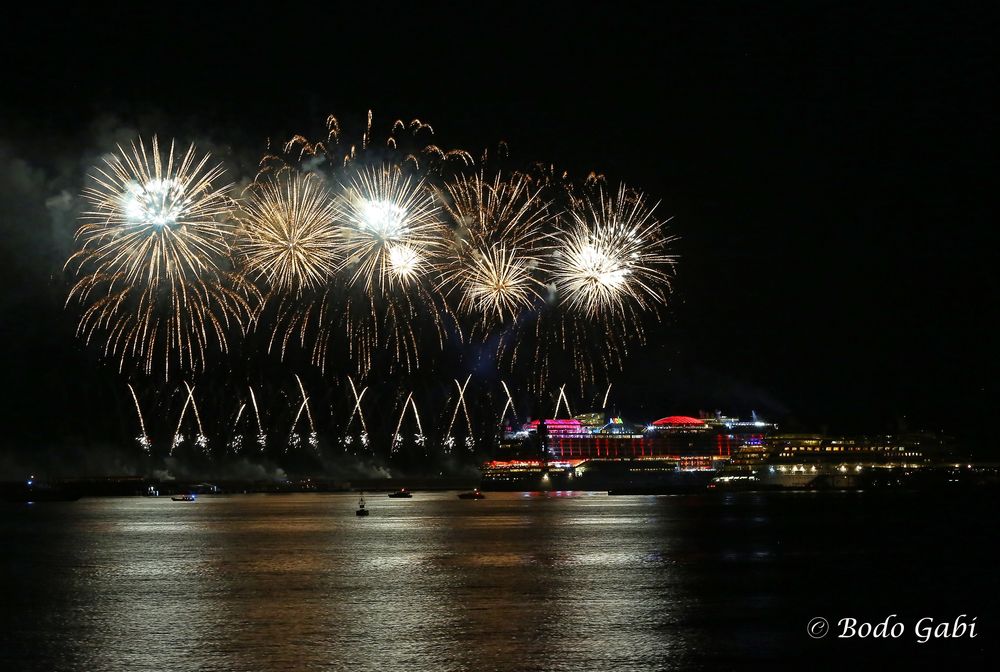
(402, 493)
(475, 494)
(362, 511)
(184, 498)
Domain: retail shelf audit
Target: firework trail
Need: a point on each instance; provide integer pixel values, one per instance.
(178, 437)
(239, 413)
(357, 405)
(449, 440)
(397, 438)
(562, 398)
(143, 437)
(419, 438)
(460, 402)
(236, 443)
(313, 436)
(152, 259)
(356, 411)
(509, 404)
(200, 440)
(261, 436)
(604, 404)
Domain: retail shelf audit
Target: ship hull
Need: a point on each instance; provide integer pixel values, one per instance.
(613, 476)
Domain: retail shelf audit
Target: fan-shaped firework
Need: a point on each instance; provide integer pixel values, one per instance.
(153, 257)
(497, 260)
(287, 235)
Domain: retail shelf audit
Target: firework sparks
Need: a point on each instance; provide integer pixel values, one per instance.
(407, 142)
(287, 235)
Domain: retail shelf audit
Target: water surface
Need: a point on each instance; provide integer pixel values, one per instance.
(513, 582)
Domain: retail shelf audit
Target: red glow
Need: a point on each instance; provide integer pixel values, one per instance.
(557, 426)
(678, 421)
(495, 464)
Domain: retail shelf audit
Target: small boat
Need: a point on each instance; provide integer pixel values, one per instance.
(475, 494)
(362, 511)
(402, 493)
(184, 498)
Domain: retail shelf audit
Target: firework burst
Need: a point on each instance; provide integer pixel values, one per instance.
(390, 227)
(390, 236)
(612, 258)
(606, 267)
(497, 261)
(152, 258)
(287, 235)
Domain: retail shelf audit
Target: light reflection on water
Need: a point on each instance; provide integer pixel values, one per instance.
(433, 583)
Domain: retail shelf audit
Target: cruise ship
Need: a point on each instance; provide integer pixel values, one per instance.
(595, 451)
(679, 453)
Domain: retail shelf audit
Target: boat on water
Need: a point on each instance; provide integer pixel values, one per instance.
(362, 511)
(474, 494)
(184, 498)
(402, 493)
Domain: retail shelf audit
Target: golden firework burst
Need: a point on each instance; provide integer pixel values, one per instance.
(287, 233)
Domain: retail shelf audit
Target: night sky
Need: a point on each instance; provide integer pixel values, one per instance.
(826, 167)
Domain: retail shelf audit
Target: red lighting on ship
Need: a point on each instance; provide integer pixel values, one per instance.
(678, 421)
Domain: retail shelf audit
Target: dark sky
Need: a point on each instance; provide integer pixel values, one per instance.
(827, 167)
